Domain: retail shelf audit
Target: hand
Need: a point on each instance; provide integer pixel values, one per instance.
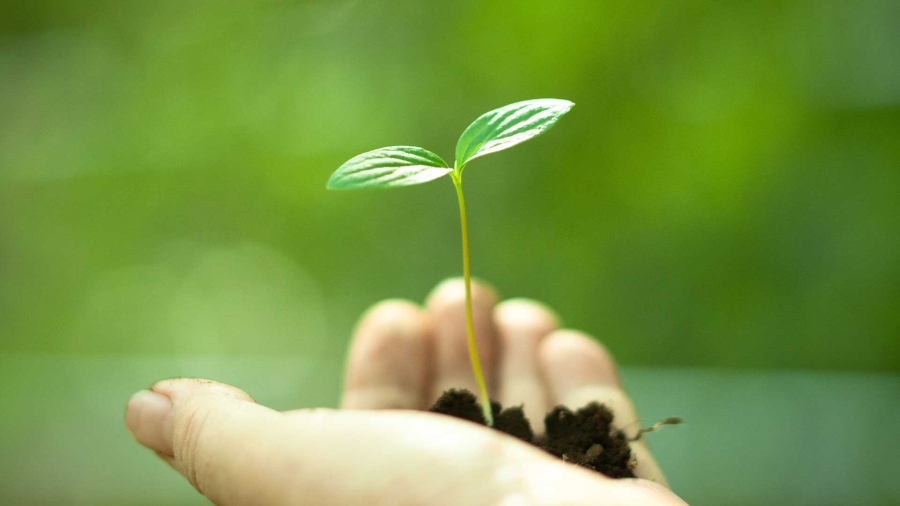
(376, 451)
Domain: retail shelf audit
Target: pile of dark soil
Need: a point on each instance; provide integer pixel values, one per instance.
(584, 437)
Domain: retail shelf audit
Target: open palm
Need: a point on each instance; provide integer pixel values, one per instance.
(377, 450)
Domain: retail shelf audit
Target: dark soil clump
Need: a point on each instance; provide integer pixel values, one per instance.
(584, 437)
(463, 404)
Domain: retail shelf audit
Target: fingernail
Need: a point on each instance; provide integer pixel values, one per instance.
(148, 418)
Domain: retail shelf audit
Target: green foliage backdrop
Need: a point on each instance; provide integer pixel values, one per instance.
(726, 194)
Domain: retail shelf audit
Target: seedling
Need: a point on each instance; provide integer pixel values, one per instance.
(408, 165)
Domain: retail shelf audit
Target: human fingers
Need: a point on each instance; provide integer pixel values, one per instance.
(389, 359)
(447, 306)
(521, 324)
(579, 371)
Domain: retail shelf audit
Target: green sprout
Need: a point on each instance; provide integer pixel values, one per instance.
(408, 165)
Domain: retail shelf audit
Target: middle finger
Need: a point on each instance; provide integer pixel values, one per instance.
(447, 306)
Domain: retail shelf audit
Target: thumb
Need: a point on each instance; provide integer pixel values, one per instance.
(198, 426)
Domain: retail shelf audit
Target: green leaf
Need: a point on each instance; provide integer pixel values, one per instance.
(507, 126)
(387, 168)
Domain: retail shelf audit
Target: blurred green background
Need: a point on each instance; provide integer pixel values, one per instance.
(721, 208)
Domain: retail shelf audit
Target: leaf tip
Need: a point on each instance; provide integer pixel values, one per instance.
(564, 104)
(332, 182)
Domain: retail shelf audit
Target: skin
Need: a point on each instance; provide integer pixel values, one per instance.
(378, 450)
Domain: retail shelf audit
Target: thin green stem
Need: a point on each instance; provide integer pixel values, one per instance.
(470, 330)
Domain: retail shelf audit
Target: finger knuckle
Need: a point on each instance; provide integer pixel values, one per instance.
(190, 430)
